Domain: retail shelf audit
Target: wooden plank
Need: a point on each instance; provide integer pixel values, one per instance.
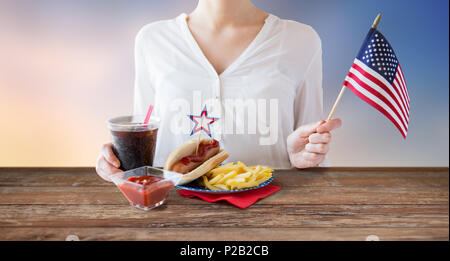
(56, 177)
(222, 216)
(287, 195)
(348, 177)
(229, 234)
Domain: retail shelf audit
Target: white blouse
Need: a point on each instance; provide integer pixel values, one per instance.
(272, 88)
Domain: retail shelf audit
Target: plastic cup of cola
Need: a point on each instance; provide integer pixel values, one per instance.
(134, 141)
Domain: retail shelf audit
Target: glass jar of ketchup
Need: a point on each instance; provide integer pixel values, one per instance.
(146, 187)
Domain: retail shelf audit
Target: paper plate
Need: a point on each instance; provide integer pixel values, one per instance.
(193, 186)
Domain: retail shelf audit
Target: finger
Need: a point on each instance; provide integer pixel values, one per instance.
(329, 125)
(320, 138)
(105, 169)
(109, 155)
(305, 130)
(297, 140)
(320, 148)
(314, 159)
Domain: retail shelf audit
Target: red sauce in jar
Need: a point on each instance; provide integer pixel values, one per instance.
(144, 180)
(152, 190)
(202, 149)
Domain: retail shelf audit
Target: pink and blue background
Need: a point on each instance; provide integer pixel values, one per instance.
(67, 65)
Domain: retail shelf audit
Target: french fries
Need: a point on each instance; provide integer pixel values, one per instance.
(235, 176)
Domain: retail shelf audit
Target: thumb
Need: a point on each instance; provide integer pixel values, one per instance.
(299, 138)
(305, 131)
(109, 155)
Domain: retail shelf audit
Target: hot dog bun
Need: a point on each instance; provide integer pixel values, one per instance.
(188, 148)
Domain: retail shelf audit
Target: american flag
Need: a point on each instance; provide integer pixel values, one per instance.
(377, 77)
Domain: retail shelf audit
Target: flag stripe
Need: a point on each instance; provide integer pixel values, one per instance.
(377, 79)
(401, 85)
(379, 92)
(376, 106)
(403, 81)
(370, 74)
(378, 102)
(396, 83)
(383, 90)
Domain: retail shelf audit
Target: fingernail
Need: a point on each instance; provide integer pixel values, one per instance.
(116, 164)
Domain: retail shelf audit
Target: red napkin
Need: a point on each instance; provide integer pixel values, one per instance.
(241, 199)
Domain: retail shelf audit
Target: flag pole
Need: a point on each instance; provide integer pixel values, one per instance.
(374, 26)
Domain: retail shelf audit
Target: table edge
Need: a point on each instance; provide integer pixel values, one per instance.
(368, 168)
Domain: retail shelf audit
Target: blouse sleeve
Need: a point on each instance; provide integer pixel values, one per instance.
(309, 98)
(144, 93)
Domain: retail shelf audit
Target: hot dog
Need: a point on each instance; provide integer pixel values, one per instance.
(184, 159)
(206, 149)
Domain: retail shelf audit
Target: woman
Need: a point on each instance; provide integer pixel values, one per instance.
(225, 50)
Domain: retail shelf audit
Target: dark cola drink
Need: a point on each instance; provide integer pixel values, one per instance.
(133, 143)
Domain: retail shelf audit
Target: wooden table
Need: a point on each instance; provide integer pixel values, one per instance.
(314, 204)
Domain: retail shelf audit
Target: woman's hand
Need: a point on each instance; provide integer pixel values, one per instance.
(107, 163)
(308, 145)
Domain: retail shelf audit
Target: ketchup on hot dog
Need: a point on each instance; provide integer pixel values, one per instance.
(206, 150)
